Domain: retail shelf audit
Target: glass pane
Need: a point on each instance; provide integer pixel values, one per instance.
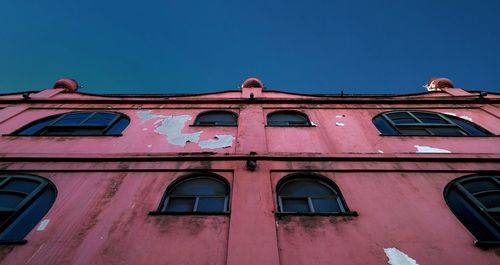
(326, 205)
(413, 131)
(9, 200)
(19, 184)
(73, 118)
(285, 119)
(211, 205)
(398, 115)
(118, 127)
(100, 119)
(383, 126)
(404, 121)
(490, 199)
(446, 131)
(217, 118)
(478, 185)
(180, 205)
(430, 118)
(469, 127)
(295, 205)
(305, 188)
(37, 126)
(199, 187)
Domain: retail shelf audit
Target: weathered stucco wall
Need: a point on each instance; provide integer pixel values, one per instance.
(107, 185)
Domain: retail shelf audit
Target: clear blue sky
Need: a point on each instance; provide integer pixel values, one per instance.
(317, 46)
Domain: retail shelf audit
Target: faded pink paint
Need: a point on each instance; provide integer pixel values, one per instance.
(108, 185)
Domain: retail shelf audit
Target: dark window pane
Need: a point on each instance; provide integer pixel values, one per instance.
(180, 205)
(326, 205)
(118, 127)
(73, 118)
(445, 131)
(399, 115)
(430, 118)
(287, 119)
(21, 184)
(35, 127)
(199, 187)
(100, 119)
(383, 126)
(490, 199)
(478, 185)
(469, 127)
(10, 200)
(413, 131)
(404, 121)
(211, 205)
(295, 205)
(216, 118)
(305, 188)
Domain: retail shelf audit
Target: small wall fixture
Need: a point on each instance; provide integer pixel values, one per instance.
(252, 163)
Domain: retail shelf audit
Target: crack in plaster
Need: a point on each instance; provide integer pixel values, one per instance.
(172, 126)
(398, 257)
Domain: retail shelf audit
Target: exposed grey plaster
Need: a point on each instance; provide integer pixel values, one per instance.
(172, 126)
(220, 141)
(398, 257)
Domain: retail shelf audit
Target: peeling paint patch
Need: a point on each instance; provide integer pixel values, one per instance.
(450, 113)
(339, 124)
(380, 151)
(428, 149)
(397, 257)
(43, 224)
(220, 141)
(150, 145)
(171, 126)
(313, 124)
(340, 116)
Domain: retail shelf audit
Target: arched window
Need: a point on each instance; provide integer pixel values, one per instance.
(409, 122)
(78, 124)
(475, 200)
(24, 200)
(309, 194)
(201, 193)
(217, 118)
(288, 118)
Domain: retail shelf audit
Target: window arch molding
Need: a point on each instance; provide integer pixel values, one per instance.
(475, 201)
(216, 118)
(425, 123)
(24, 200)
(288, 118)
(196, 193)
(310, 194)
(77, 123)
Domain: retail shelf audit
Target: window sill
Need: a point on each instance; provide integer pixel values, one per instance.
(352, 213)
(155, 213)
(452, 136)
(210, 125)
(295, 126)
(13, 242)
(486, 244)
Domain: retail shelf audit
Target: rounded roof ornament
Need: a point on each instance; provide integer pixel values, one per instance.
(252, 82)
(438, 83)
(69, 85)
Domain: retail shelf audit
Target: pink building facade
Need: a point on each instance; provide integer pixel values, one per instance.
(250, 176)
